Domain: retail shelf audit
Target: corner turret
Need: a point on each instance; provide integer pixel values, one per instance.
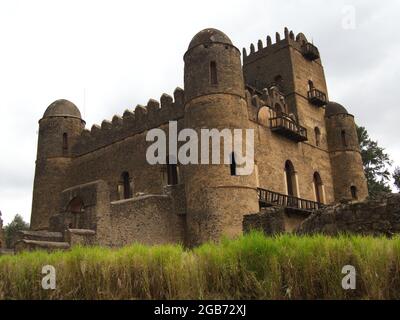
(59, 129)
(344, 150)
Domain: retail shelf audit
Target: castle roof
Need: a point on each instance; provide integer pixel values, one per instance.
(334, 108)
(209, 35)
(62, 108)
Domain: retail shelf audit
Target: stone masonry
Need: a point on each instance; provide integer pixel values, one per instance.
(95, 185)
(372, 217)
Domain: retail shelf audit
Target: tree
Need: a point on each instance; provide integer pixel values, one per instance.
(11, 230)
(396, 177)
(375, 162)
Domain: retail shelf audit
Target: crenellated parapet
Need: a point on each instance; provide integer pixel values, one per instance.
(132, 122)
(288, 38)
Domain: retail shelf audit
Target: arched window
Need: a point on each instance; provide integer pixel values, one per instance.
(318, 187)
(290, 178)
(233, 165)
(317, 133)
(213, 73)
(65, 141)
(344, 138)
(353, 190)
(310, 85)
(126, 185)
(172, 173)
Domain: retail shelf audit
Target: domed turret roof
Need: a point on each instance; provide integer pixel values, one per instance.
(62, 108)
(333, 108)
(209, 35)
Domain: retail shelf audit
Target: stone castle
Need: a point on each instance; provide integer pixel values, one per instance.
(95, 186)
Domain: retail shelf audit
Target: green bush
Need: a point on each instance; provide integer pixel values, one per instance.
(249, 267)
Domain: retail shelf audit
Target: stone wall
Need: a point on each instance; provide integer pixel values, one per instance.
(149, 219)
(371, 217)
(270, 221)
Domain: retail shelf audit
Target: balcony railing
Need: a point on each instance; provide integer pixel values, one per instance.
(310, 51)
(289, 128)
(267, 198)
(317, 97)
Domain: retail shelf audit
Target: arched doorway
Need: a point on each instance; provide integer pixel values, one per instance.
(76, 210)
(318, 188)
(290, 179)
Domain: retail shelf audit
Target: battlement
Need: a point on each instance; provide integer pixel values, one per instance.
(140, 119)
(288, 39)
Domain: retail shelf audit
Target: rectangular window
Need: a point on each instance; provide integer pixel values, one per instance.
(65, 142)
(213, 73)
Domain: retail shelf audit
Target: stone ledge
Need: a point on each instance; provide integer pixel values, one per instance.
(29, 245)
(83, 232)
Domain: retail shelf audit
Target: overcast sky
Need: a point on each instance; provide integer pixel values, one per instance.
(107, 56)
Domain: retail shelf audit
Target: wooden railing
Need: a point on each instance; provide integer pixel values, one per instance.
(288, 127)
(317, 97)
(310, 51)
(268, 198)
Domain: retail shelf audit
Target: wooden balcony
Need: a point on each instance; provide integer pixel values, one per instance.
(267, 198)
(317, 98)
(286, 126)
(310, 52)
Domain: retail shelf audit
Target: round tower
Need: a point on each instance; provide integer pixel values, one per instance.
(217, 198)
(347, 167)
(59, 129)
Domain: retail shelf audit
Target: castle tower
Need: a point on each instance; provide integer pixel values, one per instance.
(217, 199)
(293, 65)
(59, 129)
(347, 169)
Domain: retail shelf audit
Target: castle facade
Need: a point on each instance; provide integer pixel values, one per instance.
(98, 184)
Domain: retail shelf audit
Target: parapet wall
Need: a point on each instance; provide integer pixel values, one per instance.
(289, 38)
(132, 122)
(372, 217)
(148, 219)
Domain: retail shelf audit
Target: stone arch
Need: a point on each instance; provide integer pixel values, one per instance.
(263, 116)
(76, 210)
(291, 179)
(318, 188)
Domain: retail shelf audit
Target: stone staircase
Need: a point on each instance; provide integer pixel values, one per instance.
(50, 241)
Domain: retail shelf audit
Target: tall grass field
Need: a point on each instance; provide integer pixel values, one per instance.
(250, 267)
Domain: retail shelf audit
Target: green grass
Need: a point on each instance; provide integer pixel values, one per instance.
(249, 267)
